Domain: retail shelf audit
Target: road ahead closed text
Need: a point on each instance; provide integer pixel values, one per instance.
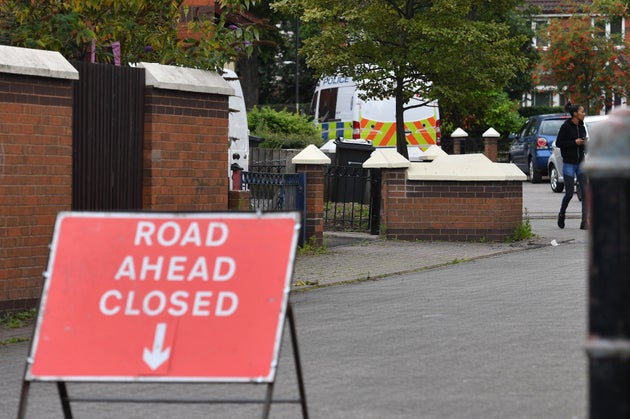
(176, 268)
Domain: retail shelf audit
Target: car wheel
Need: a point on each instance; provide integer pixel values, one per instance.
(534, 177)
(555, 184)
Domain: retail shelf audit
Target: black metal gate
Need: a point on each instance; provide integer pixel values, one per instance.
(107, 132)
(277, 192)
(352, 197)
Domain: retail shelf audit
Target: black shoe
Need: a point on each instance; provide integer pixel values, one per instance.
(583, 225)
(561, 220)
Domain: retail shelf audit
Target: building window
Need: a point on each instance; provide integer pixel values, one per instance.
(541, 30)
(562, 99)
(612, 28)
(616, 29)
(543, 98)
(599, 24)
(616, 25)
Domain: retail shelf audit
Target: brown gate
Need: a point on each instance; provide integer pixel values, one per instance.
(107, 138)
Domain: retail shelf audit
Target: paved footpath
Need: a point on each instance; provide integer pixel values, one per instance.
(356, 257)
(370, 257)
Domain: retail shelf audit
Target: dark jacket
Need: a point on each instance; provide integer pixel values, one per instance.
(565, 141)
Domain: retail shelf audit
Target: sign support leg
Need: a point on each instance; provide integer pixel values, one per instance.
(23, 399)
(298, 363)
(65, 402)
(268, 396)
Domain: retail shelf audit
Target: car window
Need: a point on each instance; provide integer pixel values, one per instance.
(521, 130)
(590, 125)
(551, 126)
(531, 129)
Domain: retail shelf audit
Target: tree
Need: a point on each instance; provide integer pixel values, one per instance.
(147, 30)
(520, 23)
(412, 48)
(583, 60)
(276, 59)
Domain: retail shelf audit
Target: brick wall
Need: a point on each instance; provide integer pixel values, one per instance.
(35, 180)
(449, 210)
(185, 168)
(185, 151)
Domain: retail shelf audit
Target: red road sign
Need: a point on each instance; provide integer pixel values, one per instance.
(164, 297)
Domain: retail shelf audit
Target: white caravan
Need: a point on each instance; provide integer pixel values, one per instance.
(238, 133)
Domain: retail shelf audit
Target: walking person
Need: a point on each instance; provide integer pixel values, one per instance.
(571, 140)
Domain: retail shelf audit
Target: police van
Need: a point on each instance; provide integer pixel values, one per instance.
(341, 114)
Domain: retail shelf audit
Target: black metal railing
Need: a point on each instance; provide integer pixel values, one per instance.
(276, 192)
(352, 199)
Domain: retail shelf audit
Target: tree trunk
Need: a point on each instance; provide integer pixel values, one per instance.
(401, 140)
(250, 81)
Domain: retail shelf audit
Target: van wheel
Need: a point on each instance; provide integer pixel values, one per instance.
(534, 176)
(555, 184)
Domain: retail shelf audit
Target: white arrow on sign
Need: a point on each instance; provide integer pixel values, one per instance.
(156, 356)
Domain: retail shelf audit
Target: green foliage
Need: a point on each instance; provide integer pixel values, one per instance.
(522, 232)
(497, 111)
(14, 340)
(501, 114)
(147, 30)
(312, 248)
(347, 216)
(286, 141)
(282, 129)
(519, 22)
(17, 320)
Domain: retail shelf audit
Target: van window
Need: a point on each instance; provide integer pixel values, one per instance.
(327, 104)
(313, 107)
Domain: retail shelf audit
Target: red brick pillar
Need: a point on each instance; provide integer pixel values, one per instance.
(490, 141)
(394, 211)
(458, 136)
(35, 166)
(185, 140)
(457, 146)
(314, 202)
(490, 148)
(238, 200)
(393, 190)
(312, 162)
(185, 151)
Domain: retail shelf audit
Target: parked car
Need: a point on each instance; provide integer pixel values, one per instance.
(532, 144)
(554, 164)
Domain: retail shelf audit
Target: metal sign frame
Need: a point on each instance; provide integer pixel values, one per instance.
(264, 222)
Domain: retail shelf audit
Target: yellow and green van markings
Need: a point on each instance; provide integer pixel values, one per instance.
(382, 134)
